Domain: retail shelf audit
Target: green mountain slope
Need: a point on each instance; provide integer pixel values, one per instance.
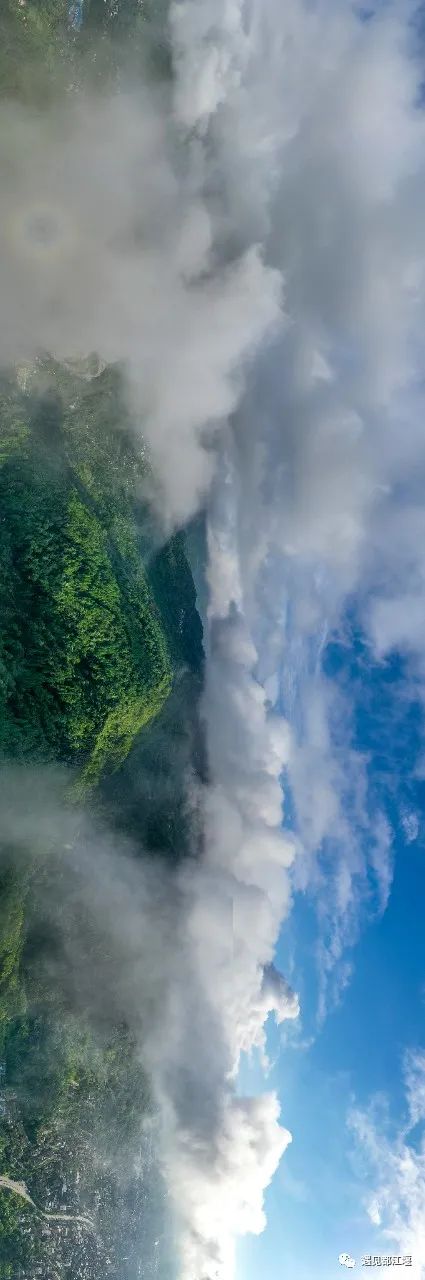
(101, 669)
(85, 660)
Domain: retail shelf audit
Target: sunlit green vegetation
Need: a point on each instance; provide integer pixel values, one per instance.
(118, 733)
(12, 924)
(100, 667)
(84, 658)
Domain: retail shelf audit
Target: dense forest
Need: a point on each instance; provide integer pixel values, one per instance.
(101, 673)
(101, 665)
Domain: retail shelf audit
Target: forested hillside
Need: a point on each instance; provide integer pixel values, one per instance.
(89, 632)
(84, 655)
(100, 676)
(101, 660)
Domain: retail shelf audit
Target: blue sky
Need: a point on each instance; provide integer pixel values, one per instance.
(316, 1204)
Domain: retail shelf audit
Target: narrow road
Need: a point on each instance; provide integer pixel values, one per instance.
(19, 1189)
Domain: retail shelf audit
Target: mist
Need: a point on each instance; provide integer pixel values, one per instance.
(108, 246)
(164, 952)
(249, 243)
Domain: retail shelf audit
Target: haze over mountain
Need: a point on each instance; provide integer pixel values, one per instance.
(211, 308)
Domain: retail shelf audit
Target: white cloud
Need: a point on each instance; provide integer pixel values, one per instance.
(410, 825)
(185, 958)
(287, 172)
(414, 1079)
(374, 1213)
(129, 268)
(329, 442)
(394, 1164)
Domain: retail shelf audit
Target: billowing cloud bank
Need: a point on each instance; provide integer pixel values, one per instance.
(107, 245)
(252, 244)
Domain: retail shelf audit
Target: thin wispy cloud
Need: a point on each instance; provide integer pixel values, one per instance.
(394, 1167)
